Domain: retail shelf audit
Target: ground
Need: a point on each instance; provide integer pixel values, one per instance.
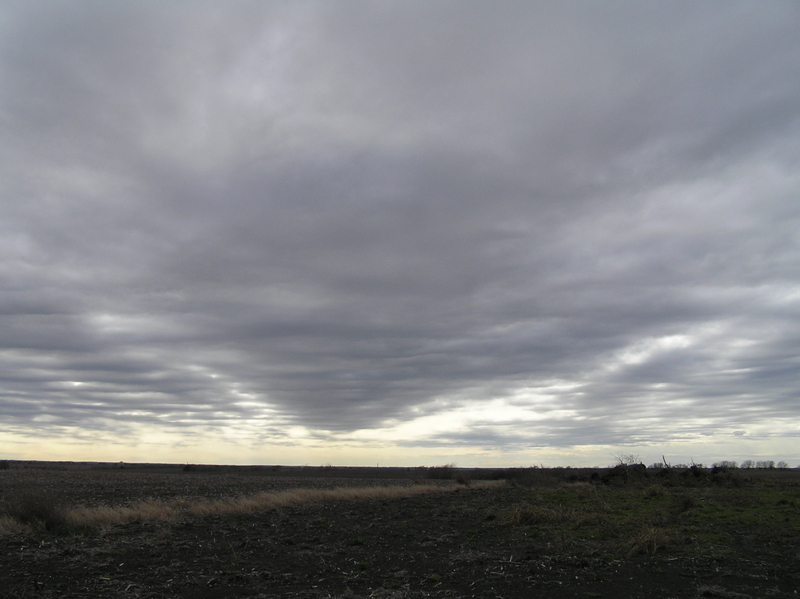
(546, 537)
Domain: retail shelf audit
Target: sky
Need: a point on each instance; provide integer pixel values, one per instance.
(400, 232)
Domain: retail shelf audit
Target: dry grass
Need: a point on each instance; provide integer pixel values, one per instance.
(10, 525)
(150, 509)
(154, 509)
(648, 540)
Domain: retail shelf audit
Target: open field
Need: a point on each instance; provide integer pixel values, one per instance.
(70, 530)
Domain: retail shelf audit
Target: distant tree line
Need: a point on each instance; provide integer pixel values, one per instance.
(730, 464)
(747, 464)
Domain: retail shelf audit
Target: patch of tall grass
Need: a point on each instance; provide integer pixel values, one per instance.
(35, 508)
(156, 509)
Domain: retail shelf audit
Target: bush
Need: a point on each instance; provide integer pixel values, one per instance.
(727, 478)
(622, 474)
(36, 508)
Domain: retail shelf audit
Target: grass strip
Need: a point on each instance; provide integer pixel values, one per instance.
(155, 509)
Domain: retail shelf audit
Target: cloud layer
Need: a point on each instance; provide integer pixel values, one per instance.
(447, 225)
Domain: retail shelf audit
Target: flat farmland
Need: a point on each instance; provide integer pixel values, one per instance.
(159, 531)
(122, 486)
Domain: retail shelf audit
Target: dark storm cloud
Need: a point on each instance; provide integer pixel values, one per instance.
(347, 212)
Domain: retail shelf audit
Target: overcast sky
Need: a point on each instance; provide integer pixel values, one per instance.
(400, 232)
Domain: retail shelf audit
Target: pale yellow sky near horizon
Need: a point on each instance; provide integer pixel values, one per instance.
(166, 448)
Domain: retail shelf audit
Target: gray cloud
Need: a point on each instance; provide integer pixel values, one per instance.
(345, 213)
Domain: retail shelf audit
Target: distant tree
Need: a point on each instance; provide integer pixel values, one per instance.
(726, 464)
(748, 464)
(627, 459)
(765, 464)
(782, 464)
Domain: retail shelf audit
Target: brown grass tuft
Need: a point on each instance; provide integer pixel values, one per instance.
(10, 526)
(648, 540)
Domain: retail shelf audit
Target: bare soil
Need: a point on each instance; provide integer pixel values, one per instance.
(615, 539)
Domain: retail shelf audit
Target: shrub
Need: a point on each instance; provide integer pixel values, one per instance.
(36, 508)
(727, 478)
(622, 474)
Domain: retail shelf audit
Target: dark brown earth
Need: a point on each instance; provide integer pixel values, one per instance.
(461, 543)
